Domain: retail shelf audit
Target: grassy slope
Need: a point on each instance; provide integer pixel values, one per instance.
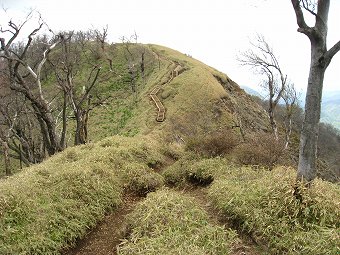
(48, 206)
(196, 103)
(195, 100)
(262, 204)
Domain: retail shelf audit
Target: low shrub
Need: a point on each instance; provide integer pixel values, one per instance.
(204, 171)
(168, 222)
(261, 150)
(175, 174)
(141, 179)
(199, 172)
(264, 205)
(213, 144)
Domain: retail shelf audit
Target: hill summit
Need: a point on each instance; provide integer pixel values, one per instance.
(149, 191)
(179, 97)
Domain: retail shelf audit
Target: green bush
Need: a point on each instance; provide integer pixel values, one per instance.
(168, 222)
(175, 174)
(264, 205)
(196, 171)
(204, 171)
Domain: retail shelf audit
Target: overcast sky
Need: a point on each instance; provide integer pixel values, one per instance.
(213, 31)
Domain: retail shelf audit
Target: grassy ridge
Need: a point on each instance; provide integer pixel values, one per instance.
(262, 203)
(48, 206)
(168, 222)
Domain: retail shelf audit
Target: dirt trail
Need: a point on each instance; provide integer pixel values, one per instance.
(103, 239)
(246, 246)
(174, 72)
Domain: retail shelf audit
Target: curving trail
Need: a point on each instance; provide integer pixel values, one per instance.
(153, 94)
(104, 238)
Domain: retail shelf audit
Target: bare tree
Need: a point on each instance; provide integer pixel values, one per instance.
(320, 59)
(5, 133)
(25, 77)
(71, 66)
(264, 62)
(134, 64)
(290, 98)
(101, 36)
(19, 130)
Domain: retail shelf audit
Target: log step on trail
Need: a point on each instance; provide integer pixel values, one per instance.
(153, 94)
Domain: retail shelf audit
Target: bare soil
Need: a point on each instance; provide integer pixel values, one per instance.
(104, 238)
(107, 235)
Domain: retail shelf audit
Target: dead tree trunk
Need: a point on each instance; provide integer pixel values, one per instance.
(20, 79)
(7, 162)
(320, 59)
(81, 129)
(272, 121)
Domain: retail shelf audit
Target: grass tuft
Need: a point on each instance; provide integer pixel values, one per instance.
(263, 204)
(168, 222)
(45, 208)
(195, 170)
(141, 179)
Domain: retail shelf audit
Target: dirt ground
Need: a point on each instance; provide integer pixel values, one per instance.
(103, 239)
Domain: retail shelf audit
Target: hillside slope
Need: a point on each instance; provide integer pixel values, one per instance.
(197, 99)
(169, 99)
(330, 109)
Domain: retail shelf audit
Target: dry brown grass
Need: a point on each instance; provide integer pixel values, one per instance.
(262, 149)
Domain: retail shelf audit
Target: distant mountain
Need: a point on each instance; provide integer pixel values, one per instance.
(251, 91)
(330, 108)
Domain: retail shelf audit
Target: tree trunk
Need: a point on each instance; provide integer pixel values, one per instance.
(64, 120)
(320, 59)
(288, 127)
(6, 158)
(310, 128)
(45, 119)
(273, 123)
(81, 129)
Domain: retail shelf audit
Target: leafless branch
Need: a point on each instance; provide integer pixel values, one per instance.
(309, 6)
(303, 27)
(331, 52)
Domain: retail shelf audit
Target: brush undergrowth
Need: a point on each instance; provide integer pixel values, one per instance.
(48, 206)
(168, 222)
(195, 170)
(212, 145)
(141, 179)
(264, 205)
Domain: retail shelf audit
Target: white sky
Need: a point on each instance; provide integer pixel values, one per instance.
(213, 31)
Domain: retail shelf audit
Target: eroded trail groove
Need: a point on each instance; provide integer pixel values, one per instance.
(246, 246)
(107, 235)
(104, 238)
